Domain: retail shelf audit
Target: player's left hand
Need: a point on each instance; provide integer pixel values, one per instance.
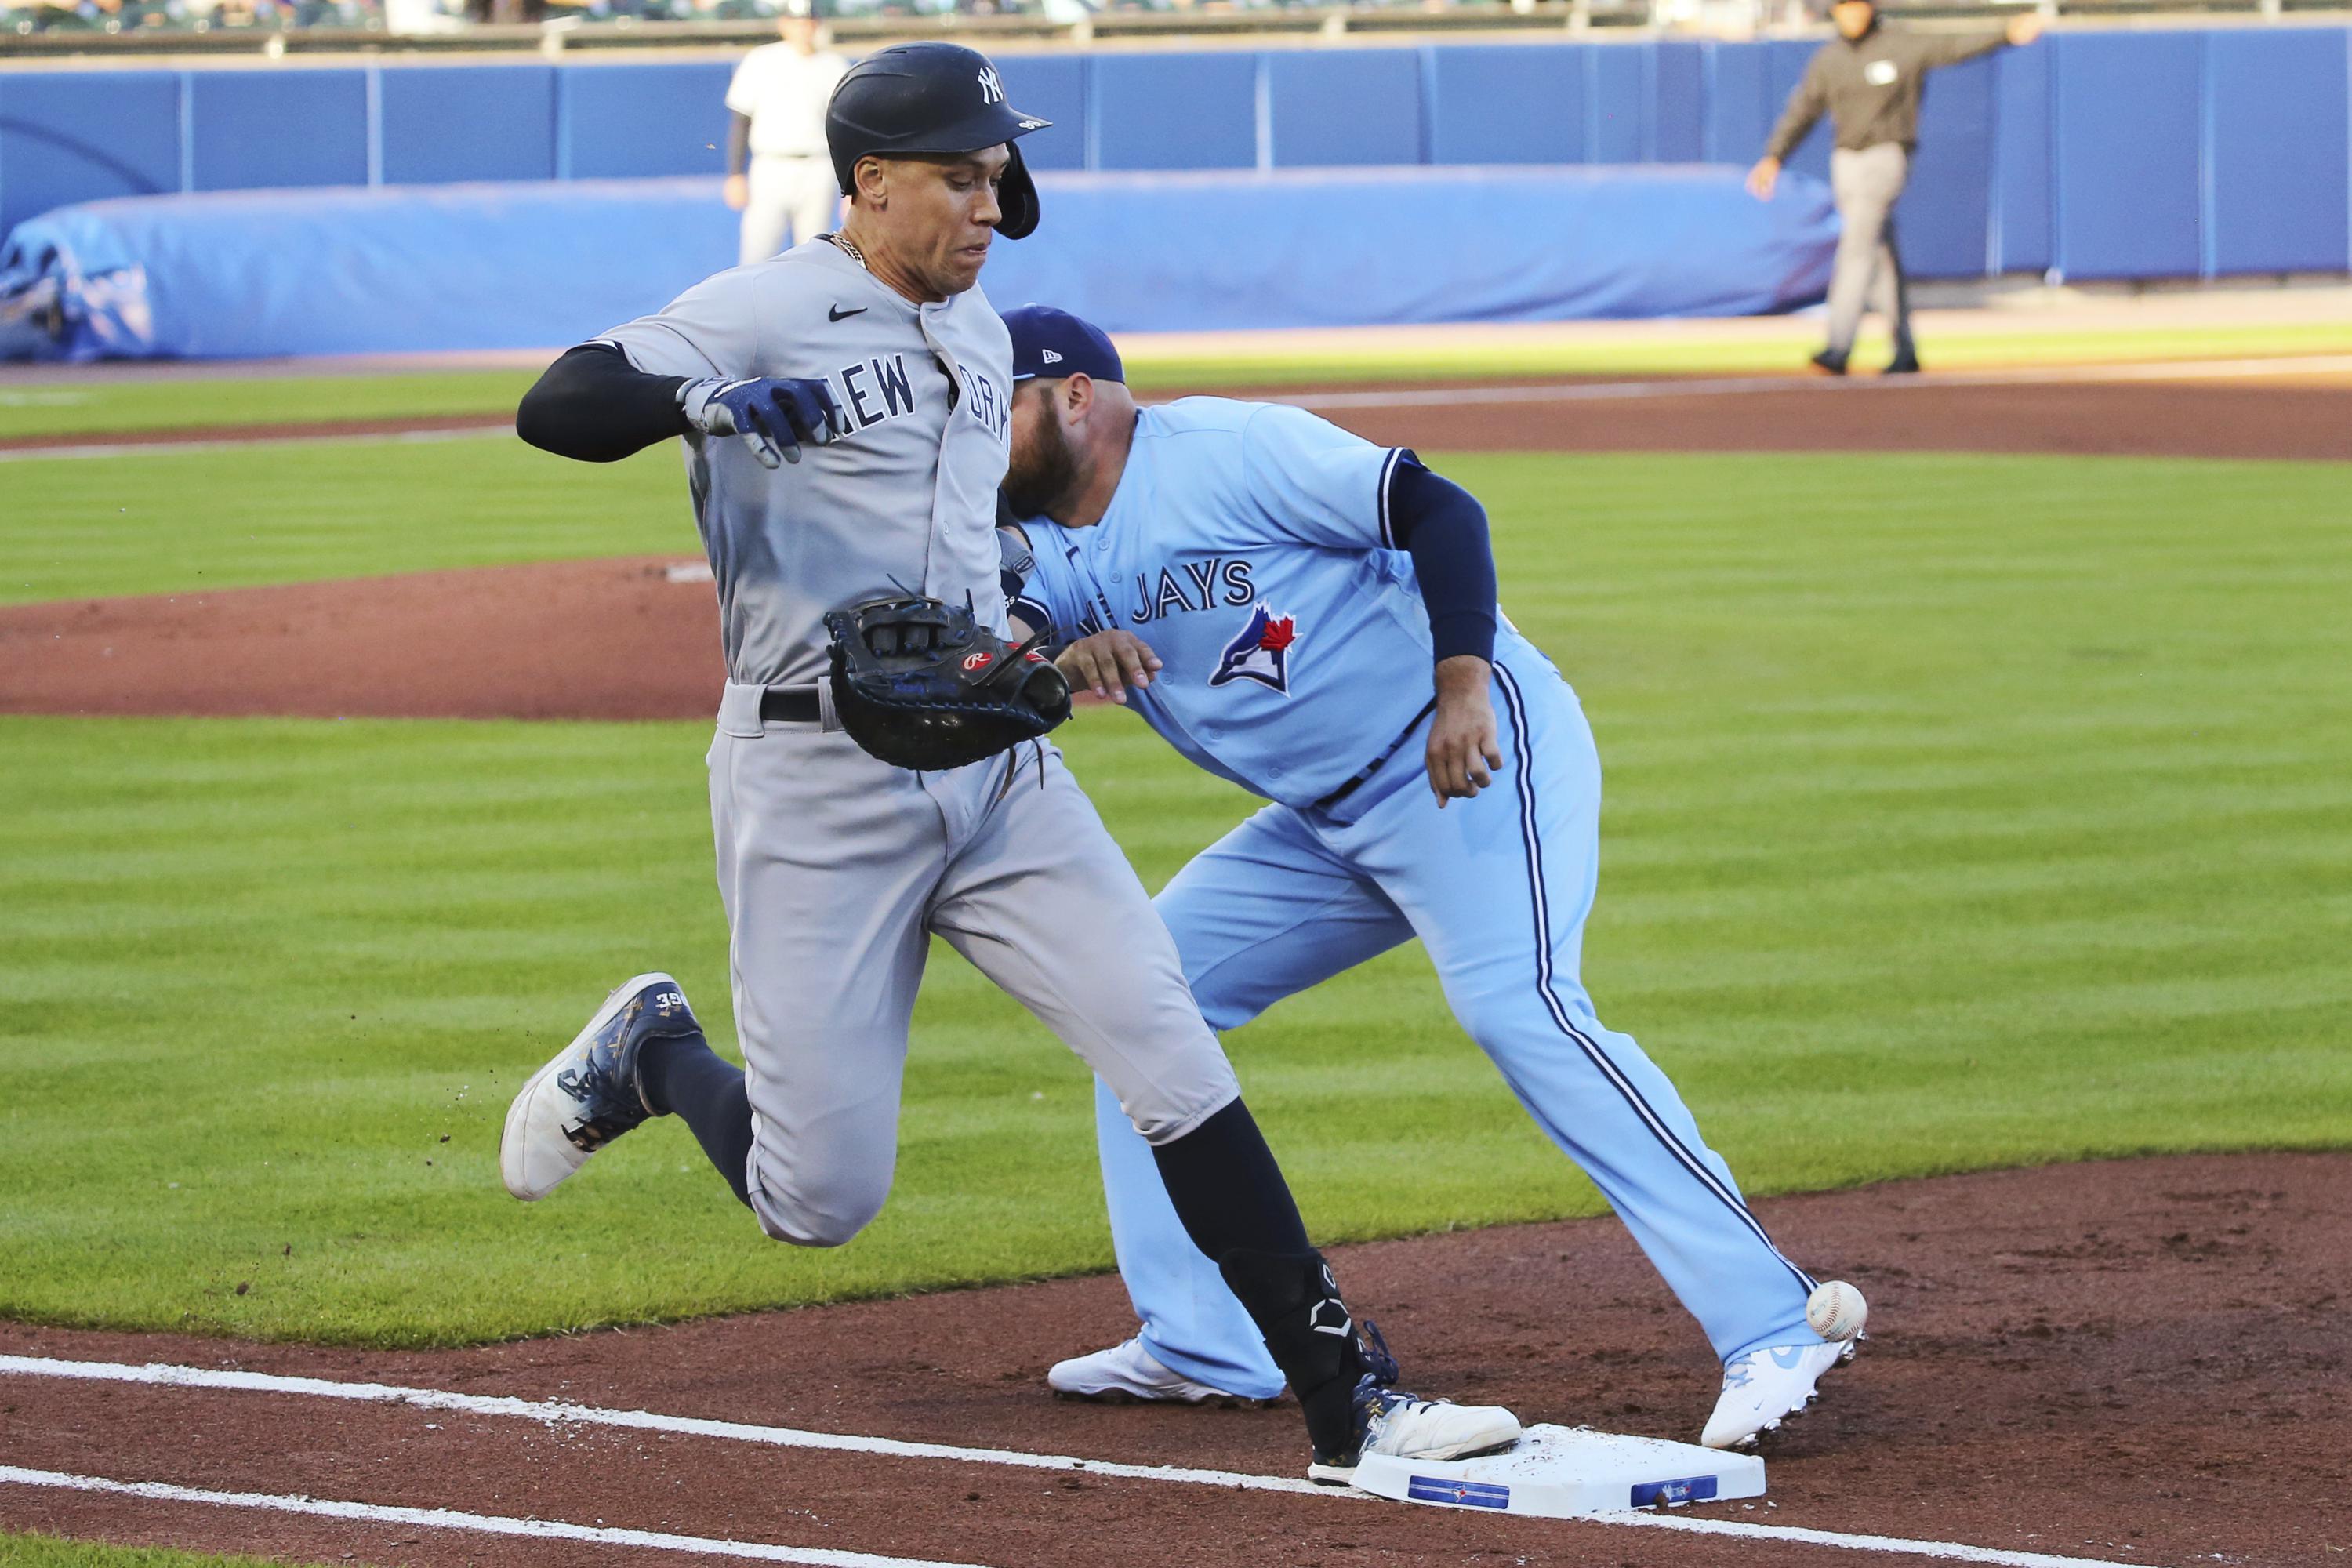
(1464, 755)
(1107, 663)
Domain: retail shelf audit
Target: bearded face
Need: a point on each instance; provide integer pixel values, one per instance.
(1044, 468)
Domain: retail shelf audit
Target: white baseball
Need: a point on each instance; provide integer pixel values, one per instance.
(1836, 1310)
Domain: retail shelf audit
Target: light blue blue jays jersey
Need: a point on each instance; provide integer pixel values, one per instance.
(1249, 544)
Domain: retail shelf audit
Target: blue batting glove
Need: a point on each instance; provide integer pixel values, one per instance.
(775, 415)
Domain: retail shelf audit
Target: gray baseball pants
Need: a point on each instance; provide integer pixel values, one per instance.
(836, 869)
(1868, 274)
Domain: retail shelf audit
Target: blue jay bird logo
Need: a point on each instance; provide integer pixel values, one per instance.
(1259, 652)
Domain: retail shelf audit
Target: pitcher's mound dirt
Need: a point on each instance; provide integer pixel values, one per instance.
(572, 640)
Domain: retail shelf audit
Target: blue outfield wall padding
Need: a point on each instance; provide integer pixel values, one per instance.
(1942, 215)
(1506, 104)
(1175, 111)
(2281, 130)
(1678, 109)
(1051, 87)
(542, 265)
(256, 130)
(643, 121)
(2128, 138)
(1497, 244)
(258, 273)
(73, 136)
(1738, 116)
(1342, 107)
(2022, 215)
(468, 122)
(1616, 102)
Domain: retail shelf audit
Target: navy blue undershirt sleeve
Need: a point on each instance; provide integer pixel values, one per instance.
(594, 405)
(1443, 529)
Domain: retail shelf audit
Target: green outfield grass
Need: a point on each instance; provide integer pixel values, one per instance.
(162, 522)
(1963, 811)
(85, 407)
(50, 1551)
(93, 408)
(1702, 354)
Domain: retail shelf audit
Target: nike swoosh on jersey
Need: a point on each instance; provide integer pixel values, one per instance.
(836, 313)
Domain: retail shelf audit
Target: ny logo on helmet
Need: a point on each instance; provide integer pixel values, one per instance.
(992, 87)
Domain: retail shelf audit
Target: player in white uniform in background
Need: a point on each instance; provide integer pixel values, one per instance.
(1314, 617)
(874, 348)
(776, 113)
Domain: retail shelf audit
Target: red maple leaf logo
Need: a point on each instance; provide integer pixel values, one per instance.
(1278, 635)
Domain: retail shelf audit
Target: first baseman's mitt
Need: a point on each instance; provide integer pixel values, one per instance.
(922, 684)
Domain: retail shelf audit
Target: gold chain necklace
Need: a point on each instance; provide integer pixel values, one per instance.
(849, 248)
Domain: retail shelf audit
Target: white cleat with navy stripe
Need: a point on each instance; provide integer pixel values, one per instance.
(1766, 1387)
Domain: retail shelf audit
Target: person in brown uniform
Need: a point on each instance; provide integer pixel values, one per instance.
(1870, 79)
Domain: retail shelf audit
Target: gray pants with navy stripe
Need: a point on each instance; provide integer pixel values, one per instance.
(1498, 889)
(838, 869)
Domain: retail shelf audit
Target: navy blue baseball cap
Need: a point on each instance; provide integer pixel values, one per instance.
(1049, 344)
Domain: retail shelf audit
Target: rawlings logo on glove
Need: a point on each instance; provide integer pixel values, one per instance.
(922, 684)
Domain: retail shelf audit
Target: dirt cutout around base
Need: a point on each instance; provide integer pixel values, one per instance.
(2132, 1361)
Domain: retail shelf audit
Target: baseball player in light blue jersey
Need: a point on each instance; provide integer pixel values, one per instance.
(1314, 618)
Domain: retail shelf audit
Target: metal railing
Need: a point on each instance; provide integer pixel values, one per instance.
(274, 27)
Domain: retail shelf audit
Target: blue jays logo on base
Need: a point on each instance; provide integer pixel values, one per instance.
(1260, 652)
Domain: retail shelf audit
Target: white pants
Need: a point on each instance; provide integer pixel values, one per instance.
(791, 200)
(836, 869)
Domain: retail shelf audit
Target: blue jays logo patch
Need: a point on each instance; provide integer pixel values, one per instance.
(1260, 652)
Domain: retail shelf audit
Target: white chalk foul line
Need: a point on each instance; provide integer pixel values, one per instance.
(166, 1375)
(478, 1523)
(554, 1411)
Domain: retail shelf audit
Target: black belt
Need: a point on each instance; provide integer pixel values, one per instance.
(790, 705)
(1369, 769)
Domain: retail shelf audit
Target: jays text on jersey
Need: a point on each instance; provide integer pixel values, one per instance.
(1248, 544)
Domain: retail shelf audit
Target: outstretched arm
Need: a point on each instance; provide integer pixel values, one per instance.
(594, 405)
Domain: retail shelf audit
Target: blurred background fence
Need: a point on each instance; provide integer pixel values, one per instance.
(2157, 153)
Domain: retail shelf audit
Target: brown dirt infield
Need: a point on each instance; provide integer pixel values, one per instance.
(2135, 1362)
(2130, 1361)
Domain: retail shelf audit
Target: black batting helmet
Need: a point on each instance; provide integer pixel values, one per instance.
(932, 97)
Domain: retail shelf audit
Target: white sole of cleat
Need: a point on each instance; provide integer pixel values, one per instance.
(510, 1142)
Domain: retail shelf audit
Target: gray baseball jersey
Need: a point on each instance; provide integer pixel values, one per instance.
(906, 500)
(836, 869)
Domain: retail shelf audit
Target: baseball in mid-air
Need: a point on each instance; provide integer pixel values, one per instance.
(1836, 1310)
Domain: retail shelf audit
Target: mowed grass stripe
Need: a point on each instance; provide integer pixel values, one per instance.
(55, 1551)
(176, 522)
(96, 408)
(1961, 812)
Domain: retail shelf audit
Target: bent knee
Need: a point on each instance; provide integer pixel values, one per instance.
(825, 1214)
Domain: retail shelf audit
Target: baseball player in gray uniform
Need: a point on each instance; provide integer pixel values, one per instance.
(870, 382)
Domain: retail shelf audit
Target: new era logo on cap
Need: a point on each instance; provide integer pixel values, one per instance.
(1053, 345)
